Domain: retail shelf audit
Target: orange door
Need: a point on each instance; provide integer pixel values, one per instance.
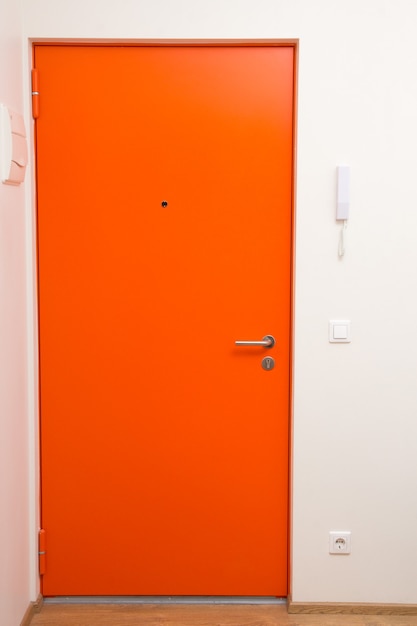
(164, 213)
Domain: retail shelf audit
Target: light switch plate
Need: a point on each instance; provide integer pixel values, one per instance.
(339, 331)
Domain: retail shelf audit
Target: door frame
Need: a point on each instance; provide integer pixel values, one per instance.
(33, 390)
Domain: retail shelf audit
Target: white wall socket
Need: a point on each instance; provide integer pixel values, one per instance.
(339, 542)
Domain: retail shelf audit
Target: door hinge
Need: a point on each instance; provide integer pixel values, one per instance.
(42, 552)
(35, 94)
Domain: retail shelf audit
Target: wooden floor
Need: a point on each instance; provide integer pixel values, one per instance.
(208, 615)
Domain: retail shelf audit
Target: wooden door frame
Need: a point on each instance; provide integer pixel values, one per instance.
(33, 300)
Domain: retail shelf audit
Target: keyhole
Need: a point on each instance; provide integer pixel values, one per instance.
(164, 204)
(268, 363)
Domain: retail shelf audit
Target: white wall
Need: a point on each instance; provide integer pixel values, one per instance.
(355, 405)
(14, 472)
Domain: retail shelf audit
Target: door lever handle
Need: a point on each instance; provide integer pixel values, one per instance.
(267, 342)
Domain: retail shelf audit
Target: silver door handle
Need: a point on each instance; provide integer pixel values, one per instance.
(267, 342)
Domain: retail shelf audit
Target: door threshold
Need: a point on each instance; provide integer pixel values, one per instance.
(165, 600)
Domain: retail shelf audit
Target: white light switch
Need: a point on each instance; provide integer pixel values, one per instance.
(339, 331)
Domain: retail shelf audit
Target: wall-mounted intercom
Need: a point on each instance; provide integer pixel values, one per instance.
(343, 203)
(13, 146)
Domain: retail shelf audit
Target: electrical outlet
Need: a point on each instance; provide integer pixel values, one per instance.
(339, 542)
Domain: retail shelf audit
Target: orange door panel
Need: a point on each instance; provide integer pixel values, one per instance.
(164, 223)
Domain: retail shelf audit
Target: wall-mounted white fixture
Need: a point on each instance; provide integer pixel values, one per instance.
(343, 203)
(339, 542)
(13, 147)
(339, 331)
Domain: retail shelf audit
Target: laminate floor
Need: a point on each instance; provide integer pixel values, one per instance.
(202, 615)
